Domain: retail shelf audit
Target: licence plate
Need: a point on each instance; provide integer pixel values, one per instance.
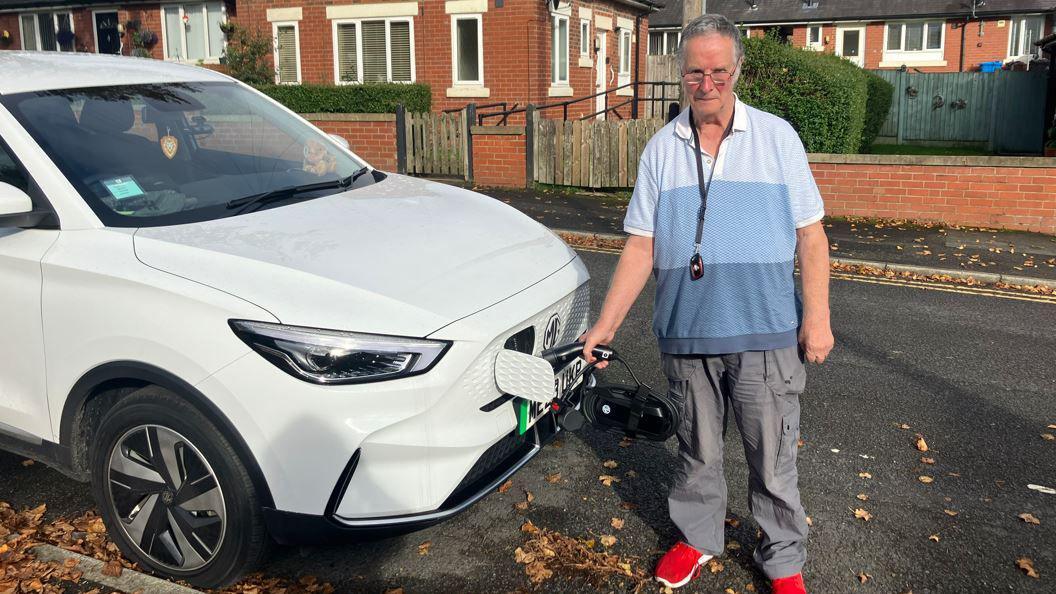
(529, 412)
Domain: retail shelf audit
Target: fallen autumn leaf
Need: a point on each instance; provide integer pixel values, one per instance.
(1029, 519)
(617, 523)
(862, 497)
(505, 486)
(610, 464)
(921, 444)
(553, 478)
(423, 549)
(608, 479)
(865, 475)
(1027, 565)
(862, 514)
(607, 540)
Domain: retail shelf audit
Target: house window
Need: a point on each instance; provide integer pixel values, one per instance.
(915, 37)
(468, 53)
(584, 37)
(287, 53)
(664, 42)
(625, 54)
(47, 31)
(192, 31)
(814, 37)
(1025, 31)
(559, 49)
(378, 50)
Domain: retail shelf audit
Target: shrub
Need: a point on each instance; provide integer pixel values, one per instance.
(821, 95)
(877, 105)
(248, 56)
(357, 98)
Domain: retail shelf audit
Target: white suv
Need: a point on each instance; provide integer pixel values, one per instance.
(235, 328)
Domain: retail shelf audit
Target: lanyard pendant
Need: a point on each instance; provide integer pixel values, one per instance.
(696, 267)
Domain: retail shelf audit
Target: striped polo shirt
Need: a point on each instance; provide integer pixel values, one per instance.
(762, 191)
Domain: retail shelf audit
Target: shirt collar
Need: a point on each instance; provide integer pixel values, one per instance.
(740, 120)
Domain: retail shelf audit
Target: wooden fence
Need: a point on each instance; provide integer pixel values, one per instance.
(593, 154)
(1003, 111)
(661, 69)
(436, 144)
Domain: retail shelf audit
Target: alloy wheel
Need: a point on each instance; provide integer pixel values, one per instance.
(167, 498)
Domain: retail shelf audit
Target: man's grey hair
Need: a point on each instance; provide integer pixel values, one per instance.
(710, 24)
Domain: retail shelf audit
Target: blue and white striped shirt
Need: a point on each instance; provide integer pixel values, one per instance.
(762, 191)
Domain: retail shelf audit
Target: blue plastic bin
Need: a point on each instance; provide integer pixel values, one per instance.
(990, 66)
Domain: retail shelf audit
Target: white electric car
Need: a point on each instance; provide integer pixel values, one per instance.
(235, 329)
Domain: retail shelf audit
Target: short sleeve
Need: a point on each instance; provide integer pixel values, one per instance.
(805, 198)
(641, 212)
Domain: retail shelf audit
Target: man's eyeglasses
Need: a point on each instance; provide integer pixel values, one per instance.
(718, 77)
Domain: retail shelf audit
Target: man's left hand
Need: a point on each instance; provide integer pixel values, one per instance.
(815, 337)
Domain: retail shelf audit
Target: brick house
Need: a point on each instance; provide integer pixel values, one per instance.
(930, 35)
(483, 51)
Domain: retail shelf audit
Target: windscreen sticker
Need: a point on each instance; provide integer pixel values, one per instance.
(123, 187)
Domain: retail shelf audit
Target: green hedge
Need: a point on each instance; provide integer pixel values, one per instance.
(824, 97)
(877, 105)
(365, 98)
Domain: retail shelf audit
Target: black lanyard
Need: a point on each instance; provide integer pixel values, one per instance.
(696, 263)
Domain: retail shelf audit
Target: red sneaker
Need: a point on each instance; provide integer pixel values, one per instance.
(792, 584)
(680, 565)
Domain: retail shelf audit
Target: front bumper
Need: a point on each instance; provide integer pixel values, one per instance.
(498, 463)
(404, 452)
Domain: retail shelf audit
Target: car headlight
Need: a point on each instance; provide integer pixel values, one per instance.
(332, 357)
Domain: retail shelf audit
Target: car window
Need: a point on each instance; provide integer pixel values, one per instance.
(10, 172)
(161, 154)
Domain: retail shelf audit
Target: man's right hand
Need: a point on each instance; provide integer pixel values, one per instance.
(592, 338)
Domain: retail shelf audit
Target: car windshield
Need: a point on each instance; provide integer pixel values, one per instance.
(163, 154)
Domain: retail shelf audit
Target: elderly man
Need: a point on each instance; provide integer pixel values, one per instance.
(724, 201)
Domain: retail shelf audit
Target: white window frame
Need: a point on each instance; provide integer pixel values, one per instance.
(55, 25)
(665, 49)
(183, 31)
(359, 48)
(584, 38)
(297, 48)
(555, 81)
(1016, 22)
(623, 35)
(479, 17)
(921, 57)
(816, 45)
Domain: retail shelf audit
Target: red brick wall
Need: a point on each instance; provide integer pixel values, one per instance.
(9, 23)
(516, 49)
(375, 141)
(499, 160)
(1008, 197)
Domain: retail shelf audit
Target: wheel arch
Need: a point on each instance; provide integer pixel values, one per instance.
(114, 380)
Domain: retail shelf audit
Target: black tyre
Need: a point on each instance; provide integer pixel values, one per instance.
(174, 494)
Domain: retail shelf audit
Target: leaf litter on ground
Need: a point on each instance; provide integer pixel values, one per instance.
(85, 534)
(549, 552)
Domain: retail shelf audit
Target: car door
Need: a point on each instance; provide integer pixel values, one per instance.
(23, 394)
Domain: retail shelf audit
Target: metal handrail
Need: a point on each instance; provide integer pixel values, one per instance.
(564, 104)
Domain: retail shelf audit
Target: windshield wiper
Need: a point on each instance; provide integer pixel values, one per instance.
(270, 196)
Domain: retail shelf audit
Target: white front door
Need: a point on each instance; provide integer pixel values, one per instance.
(601, 69)
(850, 43)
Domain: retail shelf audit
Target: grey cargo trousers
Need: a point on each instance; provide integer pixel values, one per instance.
(762, 388)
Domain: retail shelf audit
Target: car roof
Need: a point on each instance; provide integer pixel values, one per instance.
(22, 71)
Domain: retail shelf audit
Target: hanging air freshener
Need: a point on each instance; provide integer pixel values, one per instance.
(169, 145)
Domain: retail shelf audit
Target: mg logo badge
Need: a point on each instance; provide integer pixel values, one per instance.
(553, 330)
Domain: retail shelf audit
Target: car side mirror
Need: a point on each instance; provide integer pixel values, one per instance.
(16, 208)
(340, 140)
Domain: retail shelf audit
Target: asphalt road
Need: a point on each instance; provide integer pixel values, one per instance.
(973, 374)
